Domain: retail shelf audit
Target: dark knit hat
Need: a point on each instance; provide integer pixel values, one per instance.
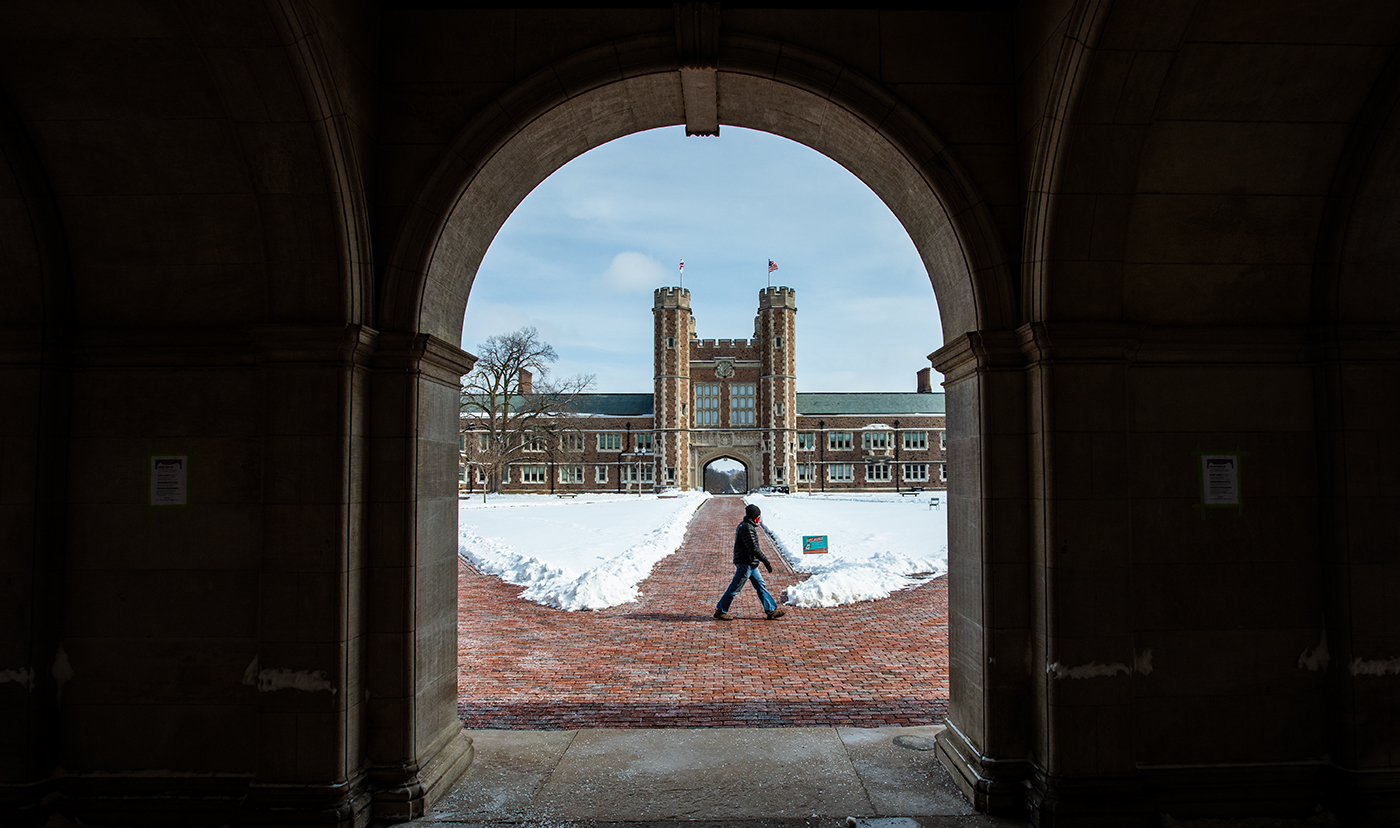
(752, 511)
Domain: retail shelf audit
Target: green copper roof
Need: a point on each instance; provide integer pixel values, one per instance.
(875, 403)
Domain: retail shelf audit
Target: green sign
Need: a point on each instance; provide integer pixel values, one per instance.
(814, 544)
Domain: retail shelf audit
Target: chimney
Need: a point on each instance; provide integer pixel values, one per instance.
(925, 381)
(527, 381)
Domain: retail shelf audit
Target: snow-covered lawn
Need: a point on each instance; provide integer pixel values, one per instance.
(592, 552)
(585, 553)
(876, 542)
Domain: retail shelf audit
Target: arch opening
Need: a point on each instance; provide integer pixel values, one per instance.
(726, 475)
(498, 161)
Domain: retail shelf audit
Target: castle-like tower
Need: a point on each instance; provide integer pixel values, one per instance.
(673, 328)
(725, 397)
(776, 331)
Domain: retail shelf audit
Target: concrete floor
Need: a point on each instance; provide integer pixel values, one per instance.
(811, 776)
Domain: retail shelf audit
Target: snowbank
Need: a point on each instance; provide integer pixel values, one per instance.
(583, 554)
(878, 543)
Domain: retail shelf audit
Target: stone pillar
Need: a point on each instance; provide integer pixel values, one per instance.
(777, 390)
(672, 326)
(310, 585)
(1082, 655)
(414, 742)
(1358, 372)
(987, 743)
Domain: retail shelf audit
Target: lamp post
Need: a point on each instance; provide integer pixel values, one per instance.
(627, 449)
(821, 452)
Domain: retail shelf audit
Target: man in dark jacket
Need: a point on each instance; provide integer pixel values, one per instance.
(747, 557)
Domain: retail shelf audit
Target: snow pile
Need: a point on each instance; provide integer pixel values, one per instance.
(877, 543)
(583, 554)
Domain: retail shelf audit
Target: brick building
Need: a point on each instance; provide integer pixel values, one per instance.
(736, 399)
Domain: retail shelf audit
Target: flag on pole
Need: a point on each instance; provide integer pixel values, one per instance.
(683, 265)
(772, 265)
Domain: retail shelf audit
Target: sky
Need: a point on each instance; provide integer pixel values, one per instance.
(581, 255)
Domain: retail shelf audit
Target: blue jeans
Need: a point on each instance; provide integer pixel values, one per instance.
(742, 574)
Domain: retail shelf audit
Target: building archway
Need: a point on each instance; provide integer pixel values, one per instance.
(726, 466)
(579, 104)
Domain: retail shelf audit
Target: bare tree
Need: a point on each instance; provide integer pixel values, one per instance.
(509, 401)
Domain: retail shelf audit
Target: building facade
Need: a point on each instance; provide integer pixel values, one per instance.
(729, 399)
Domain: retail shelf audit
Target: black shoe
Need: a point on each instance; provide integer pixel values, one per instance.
(723, 616)
(776, 614)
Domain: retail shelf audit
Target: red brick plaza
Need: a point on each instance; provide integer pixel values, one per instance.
(663, 661)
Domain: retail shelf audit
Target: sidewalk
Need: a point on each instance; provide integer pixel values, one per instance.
(664, 662)
(814, 777)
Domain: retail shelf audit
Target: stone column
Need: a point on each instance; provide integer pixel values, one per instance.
(414, 741)
(988, 740)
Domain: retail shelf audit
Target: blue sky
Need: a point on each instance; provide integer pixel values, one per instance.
(581, 255)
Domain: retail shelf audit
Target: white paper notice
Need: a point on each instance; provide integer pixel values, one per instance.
(1220, 474)
(170, 480)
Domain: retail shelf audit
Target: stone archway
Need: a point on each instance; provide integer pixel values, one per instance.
(704, 466)
(579, 104)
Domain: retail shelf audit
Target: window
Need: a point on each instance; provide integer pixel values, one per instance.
(741, 404)
(840, 471)
(943, 439)
(877, 472)
(804, 472)
(707, 404)
(915, 440)
(571, 474)
(610, 442)
(505, 475)
(836, 440)
(916, 471)
(572, 441)
(670, 342)
(644, 441)
(778, 475)
(600, 474)
(461, 442)
(780, 409)
(533, 474)
(943, 472)
(646, 471)
(874, 440)
(806, 441)
(483, 441)
(777, 342)
(461, 473)
(532, 442)
(480, 475)
(671, 475)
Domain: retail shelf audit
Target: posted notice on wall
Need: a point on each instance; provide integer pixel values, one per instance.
(1220, 477)
(170, 476)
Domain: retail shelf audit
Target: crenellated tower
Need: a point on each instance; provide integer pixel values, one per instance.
(672, 330)
(777, 334)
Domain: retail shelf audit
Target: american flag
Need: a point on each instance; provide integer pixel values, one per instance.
(772, 265)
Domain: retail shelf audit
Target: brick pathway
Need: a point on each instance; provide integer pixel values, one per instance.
(664, 662)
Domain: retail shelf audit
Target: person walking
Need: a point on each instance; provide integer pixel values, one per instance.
(747, 557)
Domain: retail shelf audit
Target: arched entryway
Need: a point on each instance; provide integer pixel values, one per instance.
(725, 475)
(537, 128)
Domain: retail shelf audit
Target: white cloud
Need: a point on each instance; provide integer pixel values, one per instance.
(632, 272)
